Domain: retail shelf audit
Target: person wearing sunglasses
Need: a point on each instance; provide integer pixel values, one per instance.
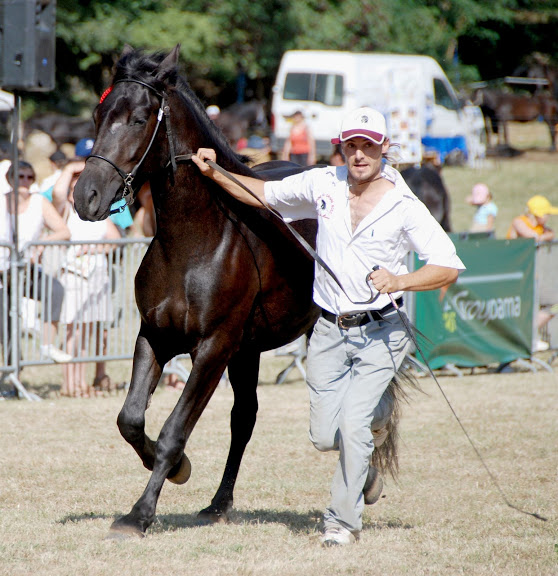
(37, 221)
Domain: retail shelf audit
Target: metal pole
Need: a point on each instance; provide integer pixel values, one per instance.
(15, 267)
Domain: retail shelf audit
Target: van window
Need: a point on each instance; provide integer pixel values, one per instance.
(297, 87)
(324, 88)
(442, 95)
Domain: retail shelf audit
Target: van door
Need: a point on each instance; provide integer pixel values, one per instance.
(320, 97)
(446, 119)
(445, 130)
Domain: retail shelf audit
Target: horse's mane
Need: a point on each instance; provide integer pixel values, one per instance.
(141, 66)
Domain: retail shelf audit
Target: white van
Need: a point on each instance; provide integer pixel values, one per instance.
(413, 93)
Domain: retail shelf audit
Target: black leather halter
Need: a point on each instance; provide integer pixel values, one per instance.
(128, 178)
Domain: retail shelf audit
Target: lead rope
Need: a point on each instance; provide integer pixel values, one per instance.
(408, 327)
(291, 229)
(477, 452)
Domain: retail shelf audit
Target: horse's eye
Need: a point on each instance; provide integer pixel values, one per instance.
(137, 121)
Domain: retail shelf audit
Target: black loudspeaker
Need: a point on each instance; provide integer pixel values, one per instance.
(27, 44)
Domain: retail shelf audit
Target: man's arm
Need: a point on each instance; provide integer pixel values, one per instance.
(62, 185)
(429, 277)
(253, 184)
(524, 231)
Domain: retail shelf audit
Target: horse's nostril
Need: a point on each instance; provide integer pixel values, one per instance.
(94, 200)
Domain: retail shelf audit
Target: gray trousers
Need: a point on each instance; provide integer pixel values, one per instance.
(348, 372)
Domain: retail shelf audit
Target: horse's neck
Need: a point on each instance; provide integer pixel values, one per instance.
(187, 207)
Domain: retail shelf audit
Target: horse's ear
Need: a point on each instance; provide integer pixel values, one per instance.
(170, 63)
(126, 50)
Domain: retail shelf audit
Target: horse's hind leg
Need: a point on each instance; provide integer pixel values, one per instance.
(243, 374)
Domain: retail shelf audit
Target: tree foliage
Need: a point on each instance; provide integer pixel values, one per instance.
(472, 39)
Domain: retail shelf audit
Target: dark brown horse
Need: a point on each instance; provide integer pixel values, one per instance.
(499, 108)
(428, 186)
(242, 119)
(221, 281)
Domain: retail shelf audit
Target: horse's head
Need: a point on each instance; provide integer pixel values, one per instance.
(130, 142)
(477, 98)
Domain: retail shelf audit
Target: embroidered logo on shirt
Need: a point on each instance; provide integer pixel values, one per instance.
(324, 205)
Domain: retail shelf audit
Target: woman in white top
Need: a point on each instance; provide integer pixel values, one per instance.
(37, 220)
(87, 303)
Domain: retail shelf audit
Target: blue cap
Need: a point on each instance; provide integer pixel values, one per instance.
(256, 142)
(84, 147)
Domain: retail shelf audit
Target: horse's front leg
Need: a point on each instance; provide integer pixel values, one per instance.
(146, 373)
(243, 375)
(169, 449)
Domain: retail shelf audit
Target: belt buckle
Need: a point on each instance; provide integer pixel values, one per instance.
(347, 321)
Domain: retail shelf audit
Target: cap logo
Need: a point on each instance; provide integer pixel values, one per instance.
(364, 119)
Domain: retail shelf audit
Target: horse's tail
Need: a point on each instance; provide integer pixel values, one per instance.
(385, 456)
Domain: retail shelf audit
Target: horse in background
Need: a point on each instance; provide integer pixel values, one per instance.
(242, 119)
(540, 66)
(499, 108)
(427, 185)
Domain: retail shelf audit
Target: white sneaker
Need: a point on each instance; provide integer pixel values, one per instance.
(338, 536)
(541, 346)
(55, 354)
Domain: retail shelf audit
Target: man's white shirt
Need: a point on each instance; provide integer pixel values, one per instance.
(398, 224)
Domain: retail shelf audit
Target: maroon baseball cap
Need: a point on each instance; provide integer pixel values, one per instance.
(362, 123)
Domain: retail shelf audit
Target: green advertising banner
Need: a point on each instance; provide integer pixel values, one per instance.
(487, 315)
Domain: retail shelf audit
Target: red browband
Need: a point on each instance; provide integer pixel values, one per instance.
(105, 94)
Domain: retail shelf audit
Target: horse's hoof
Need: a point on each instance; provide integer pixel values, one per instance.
(183, 474)
(120, 530)
(211, 516)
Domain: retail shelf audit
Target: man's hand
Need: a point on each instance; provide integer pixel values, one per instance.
(74, 167)
(200, 157)
(384, 282)
(254, 184)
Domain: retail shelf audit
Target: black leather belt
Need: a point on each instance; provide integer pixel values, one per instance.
(347, 321)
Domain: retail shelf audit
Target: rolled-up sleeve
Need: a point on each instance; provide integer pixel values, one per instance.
(292, 197)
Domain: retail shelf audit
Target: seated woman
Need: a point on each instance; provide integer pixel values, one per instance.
(532, 224)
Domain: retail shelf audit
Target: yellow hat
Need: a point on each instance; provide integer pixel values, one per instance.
(540, 206)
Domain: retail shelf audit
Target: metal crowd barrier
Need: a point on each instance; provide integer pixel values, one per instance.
(109, 323)
(547, 288)
(98, 304)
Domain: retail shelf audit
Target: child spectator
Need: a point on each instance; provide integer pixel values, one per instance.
(485, 215)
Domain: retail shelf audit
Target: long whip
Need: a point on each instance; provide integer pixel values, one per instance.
(409, 330)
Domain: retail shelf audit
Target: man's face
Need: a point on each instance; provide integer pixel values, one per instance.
(364, 158)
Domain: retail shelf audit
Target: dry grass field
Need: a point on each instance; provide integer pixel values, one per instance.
(65, 472)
